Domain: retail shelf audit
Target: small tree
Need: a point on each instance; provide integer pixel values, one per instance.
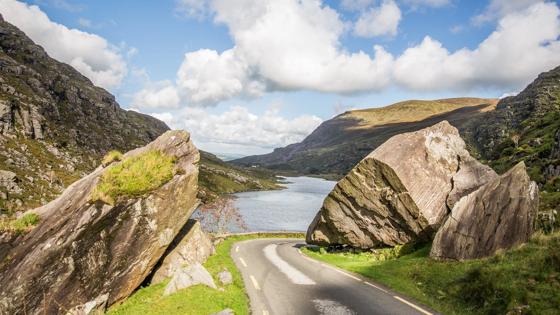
(220, 216)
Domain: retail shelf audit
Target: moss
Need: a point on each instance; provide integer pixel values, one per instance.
(21, 225)
(135, 176)
(112, 156)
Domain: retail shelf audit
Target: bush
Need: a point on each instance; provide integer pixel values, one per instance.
(134, 176)
(112, 156)
(20, 225)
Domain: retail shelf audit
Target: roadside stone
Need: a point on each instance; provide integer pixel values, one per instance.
(227, 311)
(225, 277)
(94, 307)
(187, 277)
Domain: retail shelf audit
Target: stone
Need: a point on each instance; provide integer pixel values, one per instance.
(227, 311)
(94, 307)
(81, 250)
(499, 215)
(9, 181)
(189, 276)
(225, 277)
(190, 246)
(400, 192)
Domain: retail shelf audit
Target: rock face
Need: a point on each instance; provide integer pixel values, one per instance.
(190, 246)
(400, 192)
(82, 251)
(55, 125)
(498, 215)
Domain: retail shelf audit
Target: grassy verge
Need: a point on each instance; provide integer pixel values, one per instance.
(197, 299)
(525, 280)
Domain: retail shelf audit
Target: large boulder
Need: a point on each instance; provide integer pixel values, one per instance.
(189, 276)
(401, 192)
(83, 250)
(499, 215)
(190, 246)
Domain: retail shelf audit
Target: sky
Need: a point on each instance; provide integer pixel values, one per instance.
(246, 76)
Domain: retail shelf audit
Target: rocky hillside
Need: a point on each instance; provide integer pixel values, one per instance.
(55, 127)
(54, 123)
(525, 127)
(339, 143)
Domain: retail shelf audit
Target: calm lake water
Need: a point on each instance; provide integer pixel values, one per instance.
(290, 209)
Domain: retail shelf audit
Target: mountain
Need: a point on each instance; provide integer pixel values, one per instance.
(525, 127)
(55, 127)
(340, 143)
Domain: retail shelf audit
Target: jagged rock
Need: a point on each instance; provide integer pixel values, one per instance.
(9, 180)
(499, 215)
(93, 307)
(81, 250)
(190, 246)
(225, 277)
(400, 192)
(189, 276)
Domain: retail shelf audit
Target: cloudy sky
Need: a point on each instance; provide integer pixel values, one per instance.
(245, 76)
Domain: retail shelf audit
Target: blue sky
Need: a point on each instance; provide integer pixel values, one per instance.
(255, 91)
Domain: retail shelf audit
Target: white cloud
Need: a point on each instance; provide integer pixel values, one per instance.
(239, 126)
(197, 9)
(524, 44)
(157, 95)
(378, 21)
(428, 3)
(500, 8)
(90, 54)
(356, 5)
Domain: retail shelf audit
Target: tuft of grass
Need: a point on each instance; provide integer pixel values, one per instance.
(524, 280)
(21, 225)
(112, 156)
(134, 176)
(197, 299)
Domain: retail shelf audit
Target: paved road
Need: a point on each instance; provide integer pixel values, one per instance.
(281, 280)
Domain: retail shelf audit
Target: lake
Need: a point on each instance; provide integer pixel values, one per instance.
(290, 209)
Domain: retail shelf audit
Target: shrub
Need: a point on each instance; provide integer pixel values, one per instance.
(134, 176)
(111, 156)
(20, 225)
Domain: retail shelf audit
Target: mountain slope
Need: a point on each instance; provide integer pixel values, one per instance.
(525, 127)
(339, 143)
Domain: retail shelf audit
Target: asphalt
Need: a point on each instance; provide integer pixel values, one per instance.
(281, 280)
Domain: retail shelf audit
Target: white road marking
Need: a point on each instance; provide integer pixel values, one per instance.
(328, 307)
(344, 273)
(373, 285)
(412, 305)
(255, 283)
(243, 262)
(292, 273)
(236, 249)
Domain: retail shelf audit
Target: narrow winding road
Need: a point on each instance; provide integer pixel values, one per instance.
(281, 280)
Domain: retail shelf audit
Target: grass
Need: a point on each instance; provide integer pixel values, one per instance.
(112, 156)
(197, 299)
(134, 176)
(525, 279)
(21, 225)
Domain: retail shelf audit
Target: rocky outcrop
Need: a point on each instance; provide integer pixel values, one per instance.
(400, 192)
(499, 215)
(83, 250)
(190, 246)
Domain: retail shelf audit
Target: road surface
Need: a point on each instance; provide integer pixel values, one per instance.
(281, 280)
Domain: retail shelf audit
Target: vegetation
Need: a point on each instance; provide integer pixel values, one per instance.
(525, 280)
(135, 176)
(217, 178)
(21, 225)
(198, 299)
(112, 156)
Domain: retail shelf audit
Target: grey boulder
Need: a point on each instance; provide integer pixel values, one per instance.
(499, 215)
(187, 277)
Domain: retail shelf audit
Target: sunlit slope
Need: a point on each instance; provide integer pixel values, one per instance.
(339, 143)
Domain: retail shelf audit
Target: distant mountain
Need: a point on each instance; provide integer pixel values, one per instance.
(340, 143)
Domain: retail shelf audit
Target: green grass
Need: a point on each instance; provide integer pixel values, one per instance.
(134, 176)
(20, 225)
(198, 299)
(526, 278)
(112, 156)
